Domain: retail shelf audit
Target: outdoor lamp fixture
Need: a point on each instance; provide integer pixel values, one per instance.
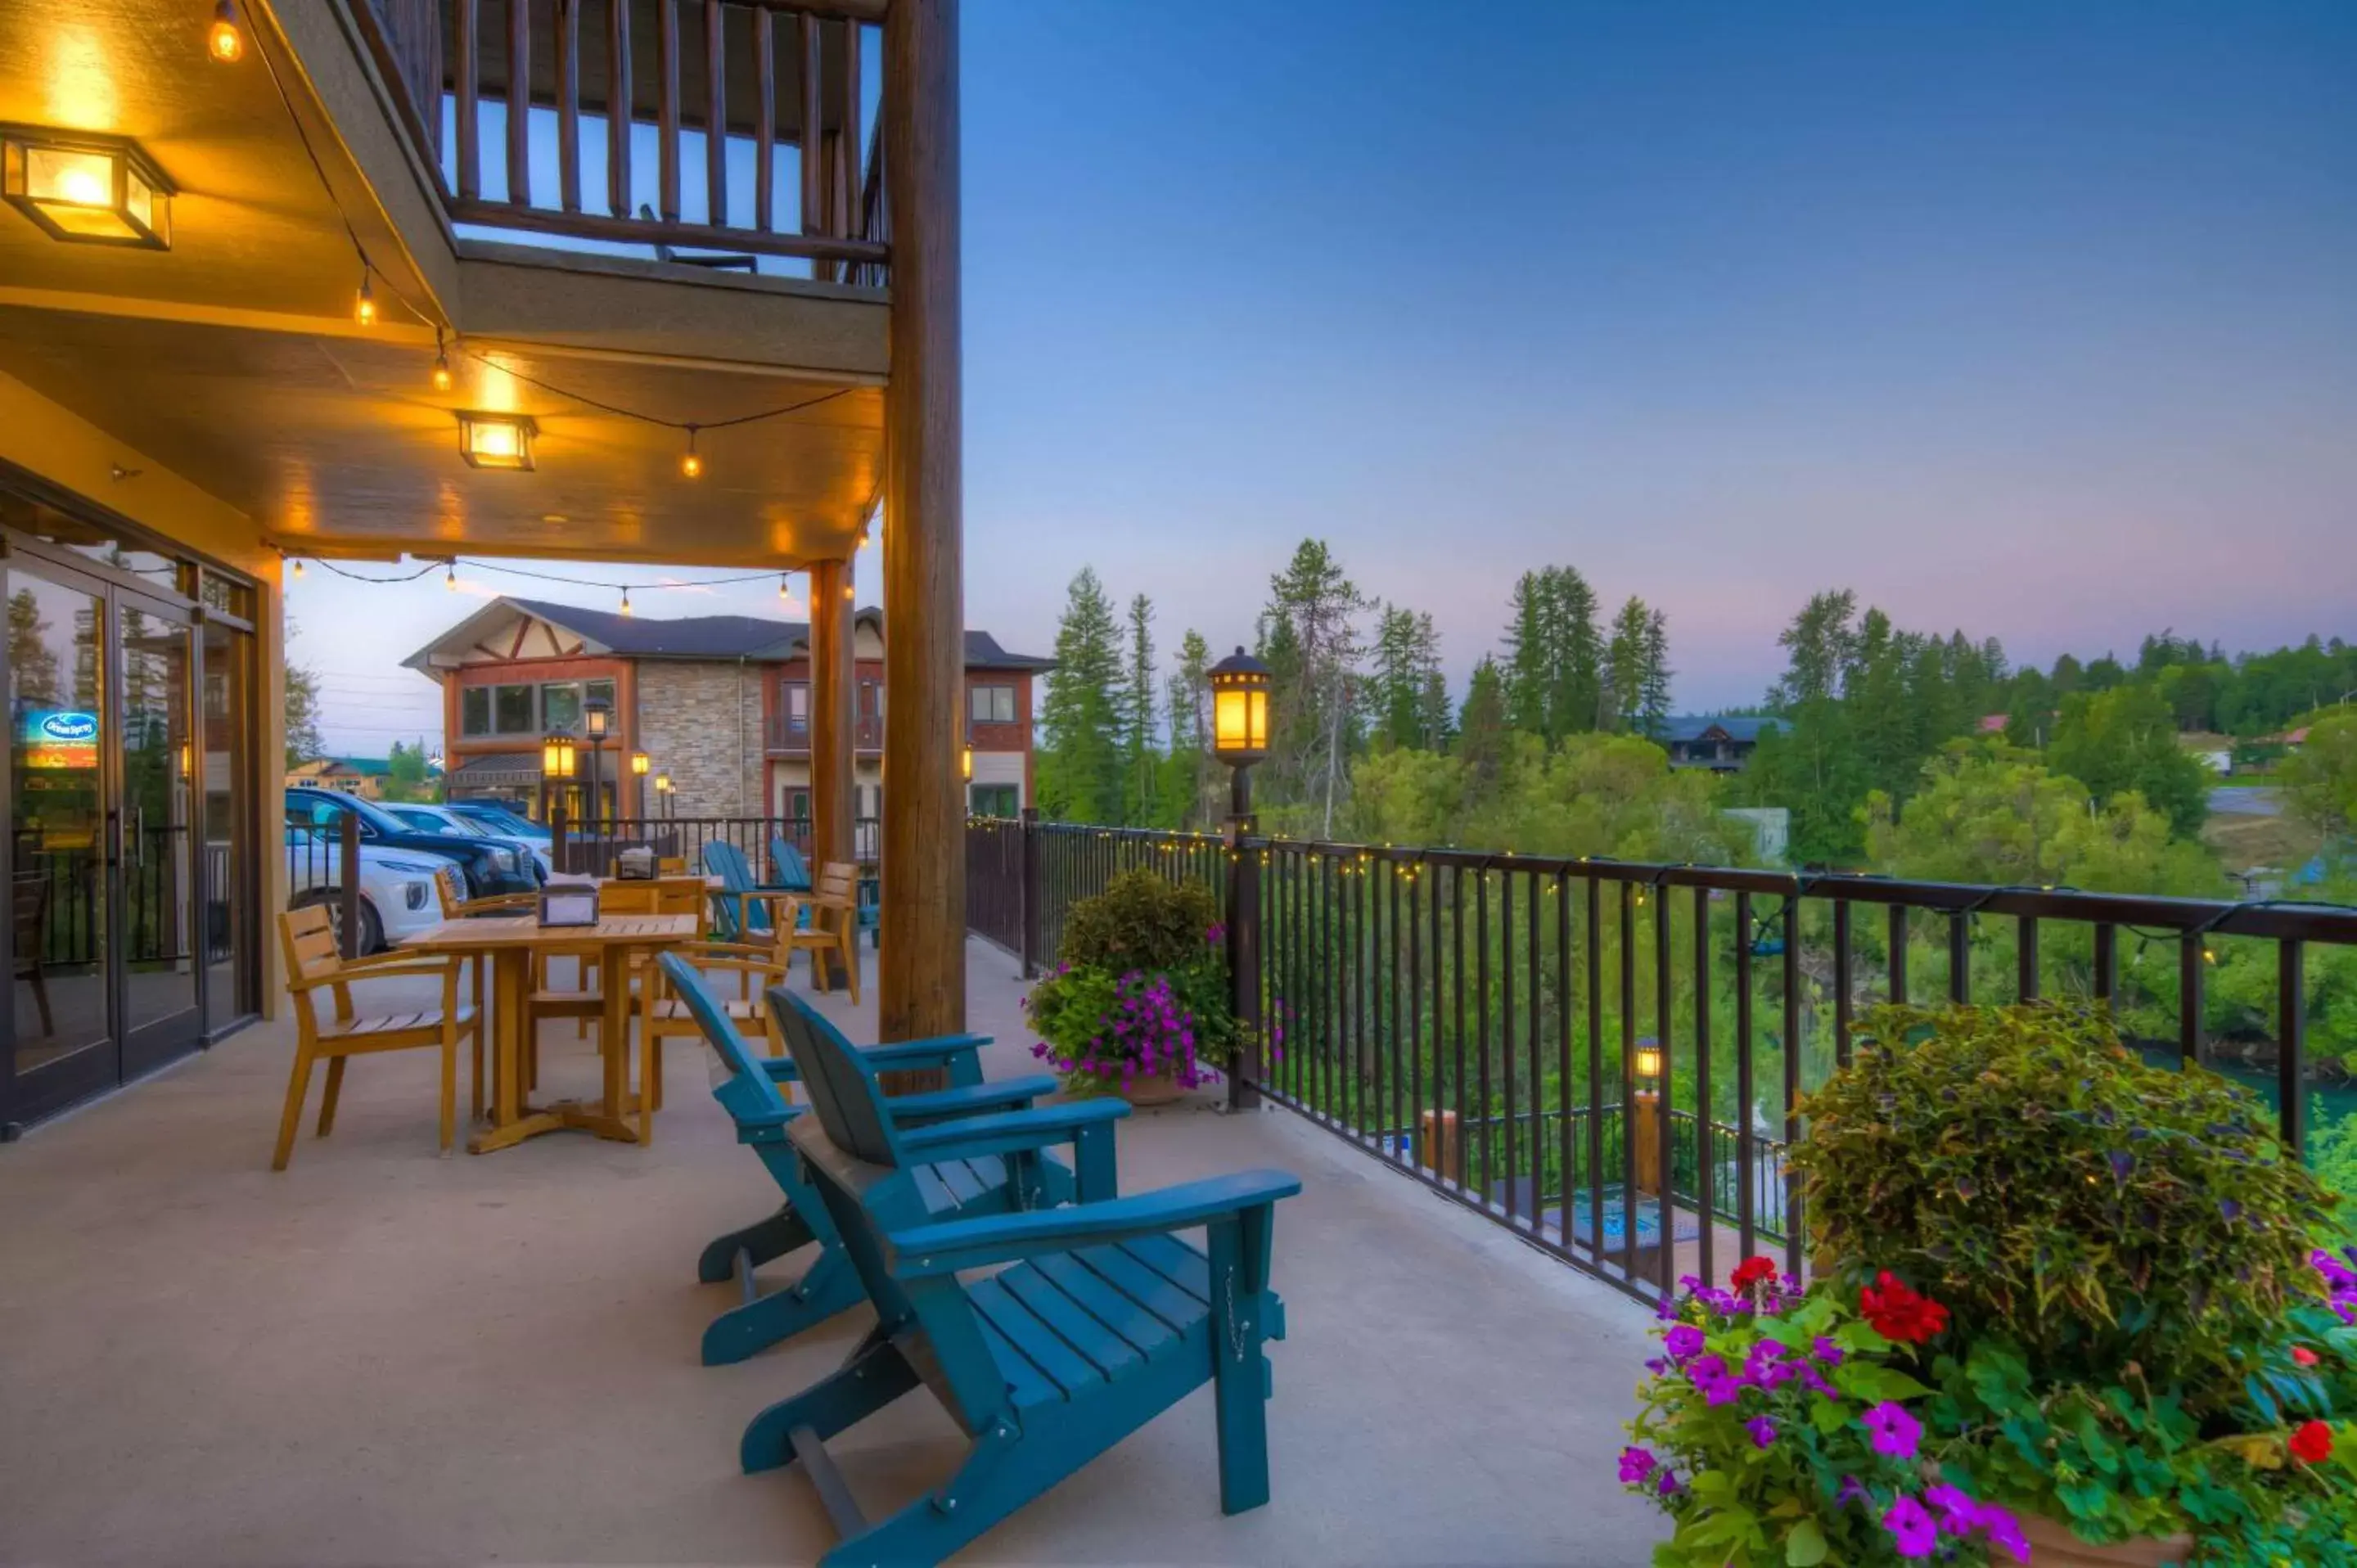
(640, 763)
(496, 440)
(224, 43)
(966, 762)
(559, 757)
(86, 189)
(597, 718)
(1645, 1126)
(1240, 721)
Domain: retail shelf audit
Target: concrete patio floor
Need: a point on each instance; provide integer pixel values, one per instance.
(380, 1356)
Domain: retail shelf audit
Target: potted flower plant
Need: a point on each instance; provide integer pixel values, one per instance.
(2090, 1287)
(1139, 1002)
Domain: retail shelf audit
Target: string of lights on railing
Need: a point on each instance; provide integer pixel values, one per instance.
(487, 439)
(449, 566)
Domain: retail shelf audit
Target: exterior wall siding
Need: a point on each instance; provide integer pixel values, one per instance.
(701, 721)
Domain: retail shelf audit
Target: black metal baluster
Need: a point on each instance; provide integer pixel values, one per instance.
(1747, 1159)
(1664, 999)
(2107, 960)
(1841, 980)
(1705, 1123)
(1392, 951)
(1481, 1009)
(1791, 1081)
(2291, 1039)
(1506, 968)
(1594, 938)
(1629, 1081)
(2025, 979)
(1536, 1141)
(1457, 1046)
(1564, 992)
(1960, 958)
(1898, 954)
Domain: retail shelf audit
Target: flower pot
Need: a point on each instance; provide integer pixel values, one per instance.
(1146, 1092)
(2052, 1545)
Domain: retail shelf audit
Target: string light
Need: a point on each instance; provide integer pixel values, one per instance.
(224, 42)
(364, 307)
(450, 577)
(691, 467)
(626, 601)
(782, 582)
(296, 566)
(441, 363)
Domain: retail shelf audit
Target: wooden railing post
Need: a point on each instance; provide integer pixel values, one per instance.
(1031, 893)
(348, 891)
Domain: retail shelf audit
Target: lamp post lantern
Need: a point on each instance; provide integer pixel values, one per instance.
(663, 793)
(597, 720)
(1240, 738)
(1239, 723)
(1646, 1128)
(558, 758)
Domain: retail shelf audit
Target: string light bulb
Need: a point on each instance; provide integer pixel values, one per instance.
(364, 307)
(691, 467)
(295, 565)
(783, 586)
(223, 42)
(626, 601)
(441, 363)
(450, 577)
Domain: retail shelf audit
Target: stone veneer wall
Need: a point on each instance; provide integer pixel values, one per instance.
(701, 722)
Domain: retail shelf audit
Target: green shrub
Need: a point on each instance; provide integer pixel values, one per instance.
(2060, 1195)
(1140, 921)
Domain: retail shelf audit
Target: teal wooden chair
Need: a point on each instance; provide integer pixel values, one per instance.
(1099, 1319)
(735, 920)
(786, 863)
(982, 1183)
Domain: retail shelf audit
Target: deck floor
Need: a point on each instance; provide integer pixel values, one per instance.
(380, 1356)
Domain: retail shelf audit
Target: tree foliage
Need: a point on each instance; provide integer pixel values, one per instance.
(2320, 779)
(1080, 771)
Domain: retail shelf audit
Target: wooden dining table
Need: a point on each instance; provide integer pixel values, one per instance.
(508, 945)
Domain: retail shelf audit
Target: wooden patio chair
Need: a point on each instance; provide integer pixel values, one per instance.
(308, 937)
(1100, 1318)
(455, 906)
(32, 915)
(833, 926)
(735, 919)
(754, 1093)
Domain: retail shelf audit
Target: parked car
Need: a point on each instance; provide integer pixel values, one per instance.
(443, 820)
(502, 820)
(396, 886)
(491, 868)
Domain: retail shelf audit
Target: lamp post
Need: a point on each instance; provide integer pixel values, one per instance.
(1646, 1126)
(597, 719)
(640, 765)
(558, 758)
(663, 793)
(1240, 738)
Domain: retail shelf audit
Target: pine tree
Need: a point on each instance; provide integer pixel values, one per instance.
(1532, 655)
(1481, 729)
(1190, 742)
(1141, 758)
(1579, 656)
(1625, 659)
(1820, 648)
(1080, 764)
(1653, 682)
(1310, 635)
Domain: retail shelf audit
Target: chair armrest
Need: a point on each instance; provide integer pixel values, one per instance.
(394, 965)
(912, 1110)
(1007, 1131)
(940, 1051)
(924, 1250)
(782, 1069)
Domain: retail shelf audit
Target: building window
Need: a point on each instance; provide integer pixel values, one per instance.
(993, 800)
(991, 704)
(798, 808)
(603, 692)
(511, 710)
(474, 711)
(871, 700)
(794, 703)
(560, 706)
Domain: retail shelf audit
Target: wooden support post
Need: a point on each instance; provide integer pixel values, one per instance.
(831, 685)
(923, 878)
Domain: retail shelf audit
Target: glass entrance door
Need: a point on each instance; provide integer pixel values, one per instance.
(104, 983)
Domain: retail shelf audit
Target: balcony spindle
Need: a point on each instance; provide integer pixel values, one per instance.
(1706, 1157)
(807, 56)
(716, 115)
(465, 41)
(519, 102)
(765, 119)
(667, 106)
(1747, 1155)
(617, 108)
(568, 103)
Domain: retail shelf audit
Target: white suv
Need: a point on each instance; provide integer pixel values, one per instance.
(397, 898)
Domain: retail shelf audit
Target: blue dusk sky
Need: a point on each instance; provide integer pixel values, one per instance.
(2038, 321)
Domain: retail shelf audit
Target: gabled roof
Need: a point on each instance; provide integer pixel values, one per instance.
(1743, 728)
(687, 637)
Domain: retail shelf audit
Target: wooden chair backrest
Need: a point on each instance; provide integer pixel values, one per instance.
(32, 910)
(629, 898)
(838, 882)
(844, 1090)
(679, 894)
(446, 891)
(307, 938)
(671, 864)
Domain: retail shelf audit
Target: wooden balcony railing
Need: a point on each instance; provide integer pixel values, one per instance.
(563, 88)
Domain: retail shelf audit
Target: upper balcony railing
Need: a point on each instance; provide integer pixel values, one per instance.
(791, 735)
(548, 117)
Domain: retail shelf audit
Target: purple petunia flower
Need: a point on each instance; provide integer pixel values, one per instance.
(1958, 1514)
(1668, 1485)
(1683, 1343)
(1636, 1464)
(2004, 1531)
(1912, 1534)
(1895, 1433)
(1762, 1430)
(1852, 1490)
(1825, 1350)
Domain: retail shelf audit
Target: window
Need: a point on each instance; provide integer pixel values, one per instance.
(560, 706)
(798, 808)
(991, 704)
(474, 711)
(794, 704)
(511, 710)
(601, 692)
(993, 799)
(871, 700)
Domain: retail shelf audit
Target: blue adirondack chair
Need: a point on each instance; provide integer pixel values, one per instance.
(787, 861)
(982, 1184)
(1105, 1320)
(726, 861)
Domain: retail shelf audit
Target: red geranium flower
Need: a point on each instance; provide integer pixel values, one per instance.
(1899, 1313)
(2303, 1355)
(1752, 1271)
(2312, 1443)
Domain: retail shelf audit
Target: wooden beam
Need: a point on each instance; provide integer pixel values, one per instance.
(831, 673)
(922, 989)
(642, 231)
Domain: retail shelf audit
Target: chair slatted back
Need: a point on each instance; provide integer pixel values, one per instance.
(854, 1155)
(447, 891)
(749, 1096)
(838, 881)
(726, 861)
(787, 861)
(307, 938)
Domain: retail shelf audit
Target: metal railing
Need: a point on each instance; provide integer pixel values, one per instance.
(589, 849)
(624, 82)
(1417, 999)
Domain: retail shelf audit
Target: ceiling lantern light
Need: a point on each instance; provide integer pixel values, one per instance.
(496, 440)
(223, 42)
(86, 189)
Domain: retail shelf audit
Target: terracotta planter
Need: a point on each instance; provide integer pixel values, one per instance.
(1146, 1092)
(2052, 1545)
